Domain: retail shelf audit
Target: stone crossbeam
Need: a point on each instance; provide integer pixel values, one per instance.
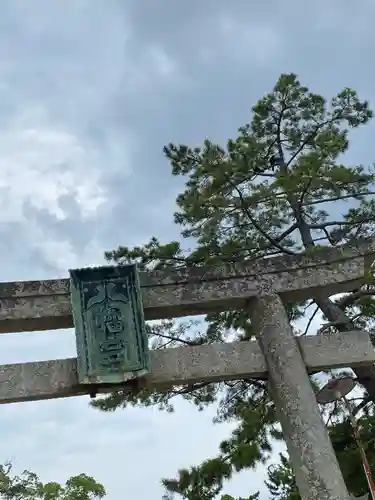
(184, 366)
(44, 305)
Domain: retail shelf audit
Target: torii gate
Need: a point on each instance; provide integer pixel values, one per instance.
(262, 287)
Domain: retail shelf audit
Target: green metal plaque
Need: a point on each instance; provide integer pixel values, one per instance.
(110, 329)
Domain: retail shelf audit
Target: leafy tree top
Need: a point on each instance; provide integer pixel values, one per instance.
(28, 486)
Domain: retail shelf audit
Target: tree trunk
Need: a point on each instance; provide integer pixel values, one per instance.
(334, 314)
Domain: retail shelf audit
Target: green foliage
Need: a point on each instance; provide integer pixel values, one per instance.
(348, 454)
(269, 191)
(28, 486)
(248, 445)
(281, 482)
(251, 497)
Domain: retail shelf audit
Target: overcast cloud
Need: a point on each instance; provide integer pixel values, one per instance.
(90, 91)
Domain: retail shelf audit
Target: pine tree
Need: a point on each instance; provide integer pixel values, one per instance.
(279, 187)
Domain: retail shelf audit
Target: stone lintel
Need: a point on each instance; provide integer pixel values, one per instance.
(184, 366)
(45, 305)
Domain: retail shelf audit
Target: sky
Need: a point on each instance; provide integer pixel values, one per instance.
(90, 92)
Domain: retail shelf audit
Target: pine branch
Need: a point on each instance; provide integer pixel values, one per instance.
(260, 201)
(177, 339)
(310, 320)
(263, 174)
(331, 414)
(257, 226)
(295, 206)
(349, 300)
(308, 139)
(287, 232)
(323, 225)
(190, 389)
(305, 190)
(329, 237)
(339, 198)
(362, 405)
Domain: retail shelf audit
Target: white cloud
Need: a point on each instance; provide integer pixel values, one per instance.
(40, 165)
(62, 255)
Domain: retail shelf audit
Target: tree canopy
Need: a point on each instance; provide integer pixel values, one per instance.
(279, 187)
(28, 486)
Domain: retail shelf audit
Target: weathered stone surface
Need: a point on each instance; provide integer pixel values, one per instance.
(185, 365)
(42, 305)
(314, 462)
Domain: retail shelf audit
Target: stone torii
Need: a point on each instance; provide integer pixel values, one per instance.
(262, 288)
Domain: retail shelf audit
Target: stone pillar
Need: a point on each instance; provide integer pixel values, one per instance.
(311, 453)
